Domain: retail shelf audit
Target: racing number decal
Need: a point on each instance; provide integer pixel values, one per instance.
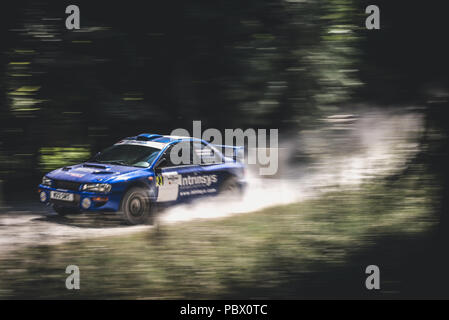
(159, 180)
(168, 186)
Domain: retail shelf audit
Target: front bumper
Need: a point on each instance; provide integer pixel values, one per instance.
(96, 201)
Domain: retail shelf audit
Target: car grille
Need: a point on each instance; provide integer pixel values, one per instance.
(67, 185)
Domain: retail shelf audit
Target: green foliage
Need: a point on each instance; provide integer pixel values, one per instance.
(256, 64)
(55, 157)
(261, 254)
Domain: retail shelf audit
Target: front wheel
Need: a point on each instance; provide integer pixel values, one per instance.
(136, 207)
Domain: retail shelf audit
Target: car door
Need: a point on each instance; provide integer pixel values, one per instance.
(179, 181)
(212, 166)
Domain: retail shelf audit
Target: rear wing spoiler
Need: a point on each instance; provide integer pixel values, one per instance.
(236, 153)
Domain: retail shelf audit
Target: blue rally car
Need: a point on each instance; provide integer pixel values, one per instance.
(134, 175)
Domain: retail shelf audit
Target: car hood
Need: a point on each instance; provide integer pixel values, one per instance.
(91, 172)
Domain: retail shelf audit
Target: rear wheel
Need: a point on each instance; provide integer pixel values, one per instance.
(230, 187)
(136, 207)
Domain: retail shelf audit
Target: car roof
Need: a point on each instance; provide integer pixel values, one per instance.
(162, 139)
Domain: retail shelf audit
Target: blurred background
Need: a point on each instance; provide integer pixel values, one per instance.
(334, 89)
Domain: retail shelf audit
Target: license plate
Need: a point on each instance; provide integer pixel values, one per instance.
(63, 196)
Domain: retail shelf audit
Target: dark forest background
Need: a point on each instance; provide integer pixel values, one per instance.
(157, 65)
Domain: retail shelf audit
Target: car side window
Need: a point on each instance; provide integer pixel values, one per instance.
(179, 154)
(206, 155)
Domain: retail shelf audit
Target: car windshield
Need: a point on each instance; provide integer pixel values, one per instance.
(128, 155)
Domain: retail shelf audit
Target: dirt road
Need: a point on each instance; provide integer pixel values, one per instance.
(344, 152)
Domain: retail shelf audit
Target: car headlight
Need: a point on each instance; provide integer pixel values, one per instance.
(97, 187)
(46, 181)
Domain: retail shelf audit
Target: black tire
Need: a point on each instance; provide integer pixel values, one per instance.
(136, 207)
(63, 211)
(230, 187)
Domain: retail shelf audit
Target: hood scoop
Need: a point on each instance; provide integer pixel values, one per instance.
(100, 168)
